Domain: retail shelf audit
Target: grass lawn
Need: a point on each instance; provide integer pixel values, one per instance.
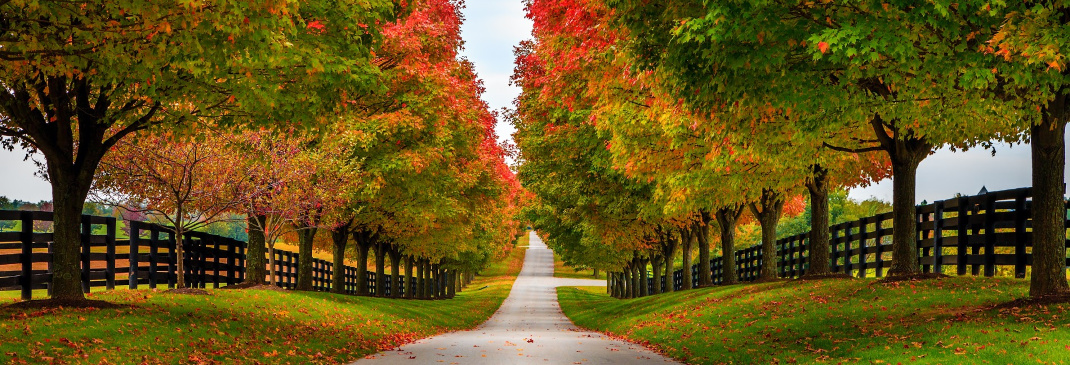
(562, 271)
(243, 326)
(946, 321)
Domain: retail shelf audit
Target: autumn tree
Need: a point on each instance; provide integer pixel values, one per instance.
(816, 66)
(185, 182)
(1033, 76)
(78, 78)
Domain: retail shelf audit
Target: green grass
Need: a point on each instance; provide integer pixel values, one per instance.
(947, 321)
(244, 326)
(563, 271)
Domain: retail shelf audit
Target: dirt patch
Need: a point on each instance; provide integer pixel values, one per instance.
(830, 276)
(252, 286)
(912, 277)
(1035, 302)
(64, 303)
(766, 281)
(188, 291)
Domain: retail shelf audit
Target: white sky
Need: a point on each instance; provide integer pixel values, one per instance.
(493, 27)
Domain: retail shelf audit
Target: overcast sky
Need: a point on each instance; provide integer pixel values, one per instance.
(493, 27)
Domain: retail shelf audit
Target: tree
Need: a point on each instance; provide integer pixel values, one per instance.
(78, 78)
(186, 182)
(1032, 75)
(817, 65)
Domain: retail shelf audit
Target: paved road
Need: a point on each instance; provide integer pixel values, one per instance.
(529, 328)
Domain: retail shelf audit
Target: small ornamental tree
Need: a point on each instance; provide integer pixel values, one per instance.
(185, 182)
(271, 194)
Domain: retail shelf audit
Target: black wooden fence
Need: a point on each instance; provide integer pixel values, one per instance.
(984, 234)
(147, 259)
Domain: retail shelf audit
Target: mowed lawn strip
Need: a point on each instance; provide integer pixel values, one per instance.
(563, 271)
(245, 326)
(945, 321)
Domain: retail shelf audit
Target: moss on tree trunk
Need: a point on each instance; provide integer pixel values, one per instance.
(1049, 206)
(340, 238)
(767, 210)
(305, 237)
(819, 222)
(256, 251)
(727, 218)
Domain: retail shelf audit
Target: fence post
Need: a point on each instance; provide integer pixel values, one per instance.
(154, 250)
(291, 259)
(878, 258)
(1021, 214)
(135, 231)
(925, 234)
(848, 237)
(87, 230)
(990, 236)
(975, 250)
(835, 243)
(938, 237)
(232, 258)
(784, 257)
(862, 248)
(963, 236)
(172, 260)
(26, 236)
(110, 240)
(215, 261)
(241, 261)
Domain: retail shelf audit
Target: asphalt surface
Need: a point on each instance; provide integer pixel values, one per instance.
(529, 328)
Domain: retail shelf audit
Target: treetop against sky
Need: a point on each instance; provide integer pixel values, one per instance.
(492, 28)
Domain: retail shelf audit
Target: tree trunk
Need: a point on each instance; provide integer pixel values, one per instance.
(656, 263)
(395, 271)
(255, 265)
(340, 237)
(68, 201)
(906, 152)
(767, 210)
(701, 229)
(687, 238)
(305, 236)
(616, 284)
(595, 273)
(626, 282)
(1049, 207)
(430, 286)
(727, 218)
(363, 245)
(380, 269)
(180, 256)
(409, 280)
(819, 222)
(668, 249)
(904, 220)
(636, 285)
(421, 278)
(644, 283)
(451, 278)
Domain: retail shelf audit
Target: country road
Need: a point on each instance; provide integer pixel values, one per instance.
(529, 328)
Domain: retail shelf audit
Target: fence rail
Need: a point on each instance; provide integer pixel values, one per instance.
(985, 234)
(147, 258)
